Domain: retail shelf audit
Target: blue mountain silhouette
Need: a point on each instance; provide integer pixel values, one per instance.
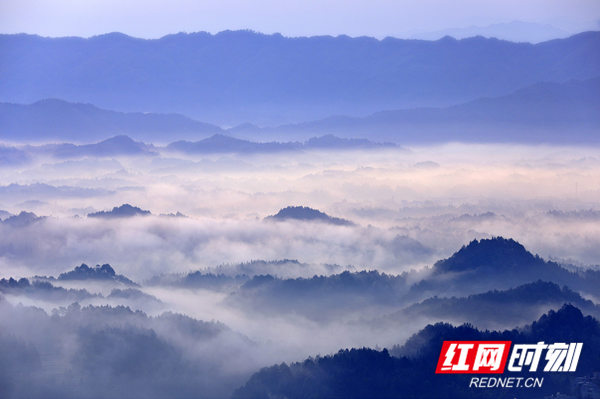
(408, 371)
(122, 211)
(307, 214)
(242, 76)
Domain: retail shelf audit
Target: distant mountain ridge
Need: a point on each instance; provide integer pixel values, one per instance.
(122, 211)
(101, 273)
(242, 76)
(220, 143)
(544, 112)
(307, 214)
(216, 144)
(343, 293)
(514, 306)
(514, 31)
(43, 290)
(118, 145)
(54, 119)
(24, 218)
(484, 274)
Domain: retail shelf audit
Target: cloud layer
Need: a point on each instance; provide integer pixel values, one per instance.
(408, 208)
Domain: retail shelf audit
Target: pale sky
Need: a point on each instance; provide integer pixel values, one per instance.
(379, 18)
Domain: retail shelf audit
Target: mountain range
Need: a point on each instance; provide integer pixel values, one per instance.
(514, 306)
(54, 119)
(122, 211)
(514, 31)
(543, 112)
(487, 274)
(490, 283)
(407, 371)
(220, 143)
(243, 76)
(117, 146)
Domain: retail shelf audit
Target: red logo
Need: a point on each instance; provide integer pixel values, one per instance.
(479, 357)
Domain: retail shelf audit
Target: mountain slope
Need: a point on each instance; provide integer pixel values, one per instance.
(114, 146)
(514, 306)
(57, 119)
(123, 211)
(514, 31)
(362, 373)
(225, 144)
(543, 112)
(307, 214)
(320, 297)
(546, 112)
(498, 263)
(101, 273)
(241, 76)
(220, 143)
(493, 282)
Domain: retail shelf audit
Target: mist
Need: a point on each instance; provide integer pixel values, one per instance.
(218, 290)
(410, 207)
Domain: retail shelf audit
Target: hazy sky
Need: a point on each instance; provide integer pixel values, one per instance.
(155, 18)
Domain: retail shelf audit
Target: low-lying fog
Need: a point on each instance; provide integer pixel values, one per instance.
(408, 206)
(545, 197)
